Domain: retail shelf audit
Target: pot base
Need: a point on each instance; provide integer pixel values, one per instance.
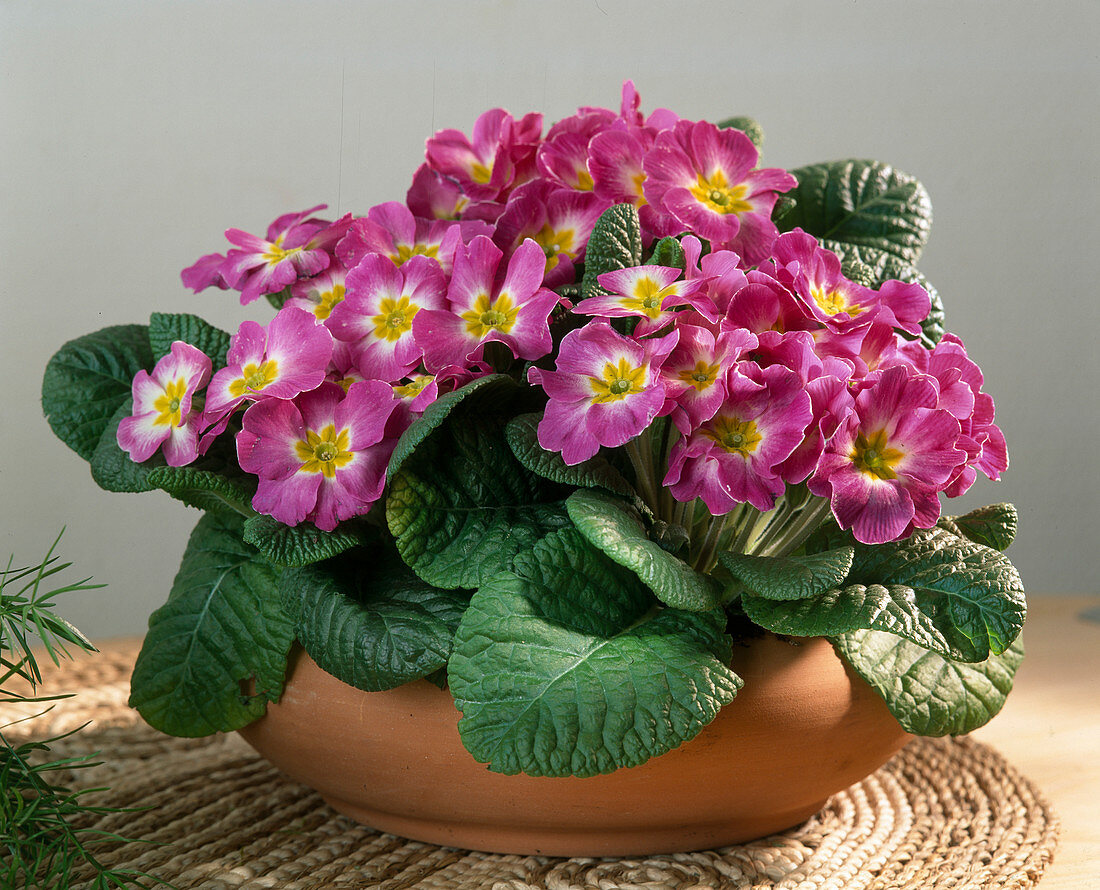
(803, 727)
(568, 842)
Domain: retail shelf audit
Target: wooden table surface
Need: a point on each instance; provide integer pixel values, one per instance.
(1050, 728)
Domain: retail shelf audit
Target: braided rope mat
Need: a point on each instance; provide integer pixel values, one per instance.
(941, 814)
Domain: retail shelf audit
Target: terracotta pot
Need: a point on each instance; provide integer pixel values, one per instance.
(803, 727)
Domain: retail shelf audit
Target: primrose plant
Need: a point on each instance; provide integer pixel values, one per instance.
(555, 432)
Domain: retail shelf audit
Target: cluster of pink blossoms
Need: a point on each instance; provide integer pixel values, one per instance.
(773, 367)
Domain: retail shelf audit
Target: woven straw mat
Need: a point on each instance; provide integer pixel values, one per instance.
(943, 813)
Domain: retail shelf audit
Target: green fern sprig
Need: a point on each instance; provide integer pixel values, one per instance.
(43, 832)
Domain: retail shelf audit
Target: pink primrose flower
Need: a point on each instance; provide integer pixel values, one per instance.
(563, 158)
(704, 179)
(266, 265)
(322, 456)
(342, 368)
(208, 271)
(615, 160)
(163, 414)
(489, 302)
(696, 372)
(500, 155)
(733, 458)
(433, 196)
(605, 389)
(289, 357)
(390, 229)
(320, 294)
(813, 273)
(649, 293)
(417, 391)
(378, 312)
(558, 220)
(886, 463)
(960, 382)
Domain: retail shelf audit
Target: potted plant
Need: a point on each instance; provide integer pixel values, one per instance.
(587, 445)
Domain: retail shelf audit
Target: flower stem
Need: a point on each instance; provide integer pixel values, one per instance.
(639, 452)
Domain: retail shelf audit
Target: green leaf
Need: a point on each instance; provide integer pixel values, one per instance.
(667, 252)
(494, 394)
(615, 243)
(939, 591)
(88, 379)
(222, 626)
(375, 632)
(279, 298)
(462, 506)
(565, 667)
(993, 526)
(746, 125)
(927, 694)
(597, 472)
(865, 203)
(112, 468)
(303, 544)
(165, 328)
(789, 577)
(884, 266)
(614, 528)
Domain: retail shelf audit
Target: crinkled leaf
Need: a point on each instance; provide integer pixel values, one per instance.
(88, 379)
(206, 489)
(564, 667)
(303, 544)
(942, 592)
(746, 125)
(373, 628)
(615, 243)
(667, 252)
(884, 266)
(462, 506)
(112, 468)
(494, 394)
(993, 526)
(927, 694)
(613, 527)
(167, 327)
(789, 577)
(222, 626)
(597, 472)
(866, 203)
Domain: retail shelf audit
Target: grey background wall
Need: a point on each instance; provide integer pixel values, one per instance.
(134, 133)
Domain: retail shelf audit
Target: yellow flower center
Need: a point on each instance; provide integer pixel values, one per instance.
(167, 405)
(254, 378)
(394, 318)
(481, 174)
(702, 376)
(733, 434)
(324, 452)
(406, 252)
(414, 387)
(555, 241)
(328, 301)
(647, 297)
(873, 455)
(498, 315)
(275, 252)
(719, 196)
(832, 302)
(618, 382)
(584, 181)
